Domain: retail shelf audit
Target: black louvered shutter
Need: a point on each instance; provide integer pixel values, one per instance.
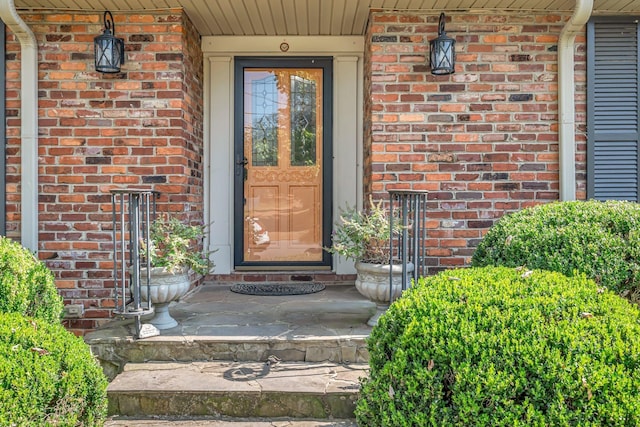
(612, 109)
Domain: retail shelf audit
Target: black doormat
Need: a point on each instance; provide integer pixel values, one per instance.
(277, 289)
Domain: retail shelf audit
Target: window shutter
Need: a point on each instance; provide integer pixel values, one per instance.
(613, 109)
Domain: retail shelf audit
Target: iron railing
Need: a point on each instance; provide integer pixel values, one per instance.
(133, 212)
(408, 208)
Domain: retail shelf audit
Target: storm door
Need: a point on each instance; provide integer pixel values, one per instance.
(283, 162)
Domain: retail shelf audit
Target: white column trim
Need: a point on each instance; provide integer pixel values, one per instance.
(346, 142)
(219, 176)
(274, 45)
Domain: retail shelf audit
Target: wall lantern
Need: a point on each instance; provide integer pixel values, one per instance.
(443, 51)
(109, 49)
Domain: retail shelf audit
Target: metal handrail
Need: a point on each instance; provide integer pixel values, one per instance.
(409, 208)
(133, 211)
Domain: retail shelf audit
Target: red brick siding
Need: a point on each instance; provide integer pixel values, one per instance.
(483, 141)
(141, 127)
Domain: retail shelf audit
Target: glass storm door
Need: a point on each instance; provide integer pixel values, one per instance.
(282, 162)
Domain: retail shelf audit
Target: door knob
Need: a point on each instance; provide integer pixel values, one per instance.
(242, 162)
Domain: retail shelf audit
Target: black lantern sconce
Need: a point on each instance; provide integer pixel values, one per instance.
(109, 49)
(442, 51)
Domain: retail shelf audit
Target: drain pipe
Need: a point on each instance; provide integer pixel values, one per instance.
(29, 123)
(566, 97)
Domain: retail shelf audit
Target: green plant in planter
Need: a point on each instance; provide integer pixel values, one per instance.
(364, 236)
(173, 245)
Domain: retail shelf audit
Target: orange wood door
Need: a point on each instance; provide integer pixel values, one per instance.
(283, 165)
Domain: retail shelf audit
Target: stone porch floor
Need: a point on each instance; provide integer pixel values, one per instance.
(217, 324)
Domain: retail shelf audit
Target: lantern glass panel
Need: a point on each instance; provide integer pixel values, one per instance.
(442, 55)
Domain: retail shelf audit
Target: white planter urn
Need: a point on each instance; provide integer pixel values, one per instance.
(373, 283)
(165, 287)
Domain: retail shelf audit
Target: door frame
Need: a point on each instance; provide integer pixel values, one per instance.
(219, 53)
(326, 64)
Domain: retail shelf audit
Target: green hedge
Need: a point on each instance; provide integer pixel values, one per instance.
(26, 285)
(599, 239)
(47, 376)
(499, 346)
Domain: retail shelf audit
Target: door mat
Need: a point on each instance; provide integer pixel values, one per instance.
(277, 289)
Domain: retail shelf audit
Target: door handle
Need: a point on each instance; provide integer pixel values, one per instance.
(245, 172)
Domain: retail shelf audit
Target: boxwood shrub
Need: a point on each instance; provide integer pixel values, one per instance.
(26, 284)
(599, 239)
(497, 346)
(47, 376)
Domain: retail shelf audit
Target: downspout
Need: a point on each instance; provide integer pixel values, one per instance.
(28, 123)
(566, 97)
(3, 130)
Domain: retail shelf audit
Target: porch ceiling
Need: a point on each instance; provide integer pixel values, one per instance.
(309, 17)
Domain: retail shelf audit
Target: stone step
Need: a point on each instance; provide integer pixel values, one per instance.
(225, 422)
(115, 354)
(237, 389)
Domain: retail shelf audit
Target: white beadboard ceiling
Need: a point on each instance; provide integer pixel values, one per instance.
(309, 17)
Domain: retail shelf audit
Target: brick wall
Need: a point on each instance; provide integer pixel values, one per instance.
(141, 127)
(483, 141)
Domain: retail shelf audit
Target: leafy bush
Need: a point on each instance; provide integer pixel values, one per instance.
(364, 235)
(499, 346)
(173, 245)
(599, 239)
(47, 376)
(26, 285)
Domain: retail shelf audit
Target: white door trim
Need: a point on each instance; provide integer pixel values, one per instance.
(219, 51)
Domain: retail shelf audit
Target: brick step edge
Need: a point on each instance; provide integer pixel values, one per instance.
(237, 389)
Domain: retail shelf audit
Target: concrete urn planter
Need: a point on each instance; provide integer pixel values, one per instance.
(165, 287)
(373, 282)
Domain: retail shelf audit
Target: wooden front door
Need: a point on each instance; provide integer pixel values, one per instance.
(282, 167)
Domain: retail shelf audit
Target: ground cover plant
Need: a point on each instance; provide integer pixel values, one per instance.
(498, 346)
(599, 239)
(48, 376)
(26, 285)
